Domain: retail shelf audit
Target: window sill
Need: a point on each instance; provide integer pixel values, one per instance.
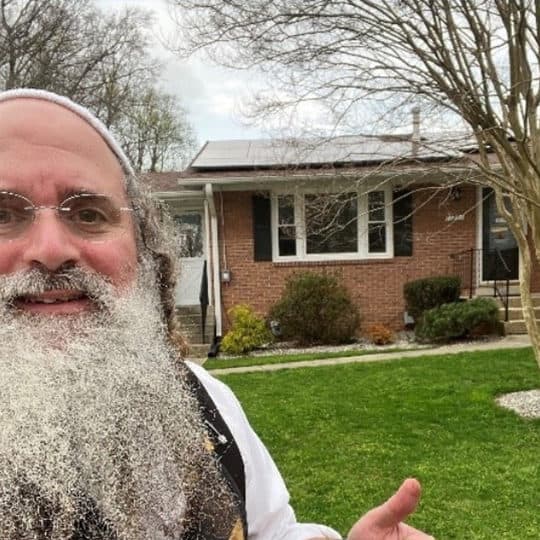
(334, 262)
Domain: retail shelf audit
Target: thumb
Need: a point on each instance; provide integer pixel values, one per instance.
(398, 506)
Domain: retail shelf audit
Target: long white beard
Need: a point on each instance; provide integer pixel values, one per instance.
(95, 420)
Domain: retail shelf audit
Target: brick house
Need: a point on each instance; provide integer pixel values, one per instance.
(376, 212)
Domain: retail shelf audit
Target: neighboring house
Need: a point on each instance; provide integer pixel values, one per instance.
(376, 212)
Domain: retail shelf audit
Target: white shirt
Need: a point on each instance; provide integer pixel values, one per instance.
(269, 514)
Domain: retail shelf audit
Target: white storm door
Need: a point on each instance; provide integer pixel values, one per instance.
(191, 234)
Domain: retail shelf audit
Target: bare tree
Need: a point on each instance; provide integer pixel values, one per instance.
(479, 59)
(98, 59)
(66, 45)
(155, 133)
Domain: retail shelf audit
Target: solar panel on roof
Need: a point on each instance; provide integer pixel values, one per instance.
(295, 152)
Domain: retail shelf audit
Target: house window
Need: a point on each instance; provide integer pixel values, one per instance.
(332, 226)
(376, 222)
(331, 223)
(286, 226)
(190, 234)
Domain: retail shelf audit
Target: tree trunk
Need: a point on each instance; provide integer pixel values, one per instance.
(525, 267)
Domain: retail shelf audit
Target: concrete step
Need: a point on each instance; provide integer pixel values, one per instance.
(194, 335)
(516, 313)
(194, 318)
(190, 320)
(187, 310)
(195, 326)
(198, 350)
(515, 327)
(515, 323)
(515, 301)
(487, 290)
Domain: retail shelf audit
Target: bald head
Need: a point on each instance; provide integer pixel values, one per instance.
(79, 110)
(34, 127)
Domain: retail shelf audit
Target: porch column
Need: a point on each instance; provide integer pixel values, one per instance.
(216, 282)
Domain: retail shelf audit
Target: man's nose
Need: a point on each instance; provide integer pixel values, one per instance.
(50, 243)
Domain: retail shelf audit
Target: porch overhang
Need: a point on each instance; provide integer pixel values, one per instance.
(398, 176)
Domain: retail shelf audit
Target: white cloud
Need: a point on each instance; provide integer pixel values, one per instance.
(212, 95)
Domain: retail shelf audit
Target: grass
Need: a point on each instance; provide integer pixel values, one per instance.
(345, 436)
(241, 361)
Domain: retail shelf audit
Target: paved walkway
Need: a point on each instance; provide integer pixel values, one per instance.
(507, 342)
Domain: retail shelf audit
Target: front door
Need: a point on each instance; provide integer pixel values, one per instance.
(500, 256)
(191, 233)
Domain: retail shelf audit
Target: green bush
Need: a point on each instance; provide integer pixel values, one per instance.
(428, 293)
(315, 308)
(248, 331)
(457, 320)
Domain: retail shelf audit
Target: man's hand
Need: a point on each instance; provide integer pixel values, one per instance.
(385, 521)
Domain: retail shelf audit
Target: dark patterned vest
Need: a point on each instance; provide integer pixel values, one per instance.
(222, 444)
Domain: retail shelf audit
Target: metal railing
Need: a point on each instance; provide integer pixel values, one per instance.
(495, 267)
(203, 300)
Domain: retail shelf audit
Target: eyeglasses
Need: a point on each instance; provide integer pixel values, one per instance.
(94, 217)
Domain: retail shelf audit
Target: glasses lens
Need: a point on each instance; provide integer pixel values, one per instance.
(16, 213)
(95, 217)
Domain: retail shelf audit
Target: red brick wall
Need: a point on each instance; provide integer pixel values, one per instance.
(376, 286)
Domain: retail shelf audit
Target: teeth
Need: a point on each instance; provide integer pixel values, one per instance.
(35, 300)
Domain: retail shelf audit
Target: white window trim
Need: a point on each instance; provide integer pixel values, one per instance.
(362, 227)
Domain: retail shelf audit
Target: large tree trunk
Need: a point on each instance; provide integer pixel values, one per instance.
(525, 267)
(519, 216)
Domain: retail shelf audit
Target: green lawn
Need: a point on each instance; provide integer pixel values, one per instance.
(345, 436)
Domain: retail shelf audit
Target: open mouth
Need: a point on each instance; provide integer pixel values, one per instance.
(45, 299)
(58, 301)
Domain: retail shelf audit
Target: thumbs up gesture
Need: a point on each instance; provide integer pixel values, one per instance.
(386, 521)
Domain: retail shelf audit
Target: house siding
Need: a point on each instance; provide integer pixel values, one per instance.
(376, 286)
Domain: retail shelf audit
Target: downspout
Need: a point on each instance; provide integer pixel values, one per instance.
(216, 283)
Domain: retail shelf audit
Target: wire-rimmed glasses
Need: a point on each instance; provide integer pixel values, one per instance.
(92, 216)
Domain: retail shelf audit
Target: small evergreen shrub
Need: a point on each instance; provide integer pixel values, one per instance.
(428, 293)
(315, 308)
(458, 320)
(248, 331)
(379, 334)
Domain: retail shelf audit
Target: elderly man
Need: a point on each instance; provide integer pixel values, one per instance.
(105, 433)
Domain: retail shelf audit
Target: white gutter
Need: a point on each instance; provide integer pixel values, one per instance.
(423, 172)
(216, 283)
(186, 194)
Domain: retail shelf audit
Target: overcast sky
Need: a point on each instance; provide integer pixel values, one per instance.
(213, 96)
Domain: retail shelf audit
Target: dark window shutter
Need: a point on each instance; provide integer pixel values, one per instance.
(262, 229)
(403, 223)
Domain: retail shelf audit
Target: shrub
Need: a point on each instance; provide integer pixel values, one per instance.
(428, 293)
(248, 331)
(315, 308)
(379, 334)
(459, 319)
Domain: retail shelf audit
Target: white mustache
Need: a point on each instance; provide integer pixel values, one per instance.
(38, 281)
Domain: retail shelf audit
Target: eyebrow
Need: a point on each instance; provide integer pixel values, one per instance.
(71, 192)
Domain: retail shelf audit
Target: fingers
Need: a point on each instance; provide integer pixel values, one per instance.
(398, 506)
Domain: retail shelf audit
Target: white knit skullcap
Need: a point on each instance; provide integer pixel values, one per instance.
(82, 112)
